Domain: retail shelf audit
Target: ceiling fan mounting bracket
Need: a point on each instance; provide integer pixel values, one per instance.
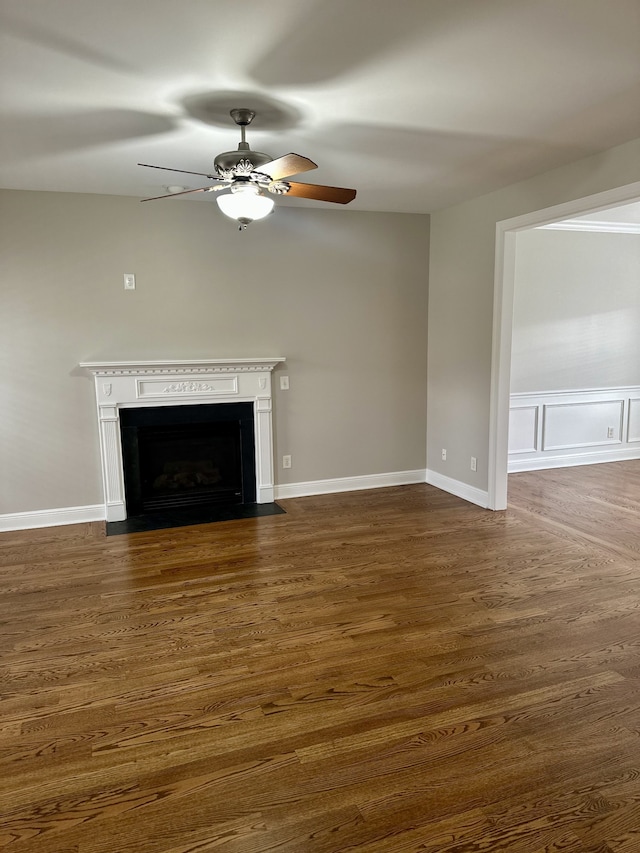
(242, 117)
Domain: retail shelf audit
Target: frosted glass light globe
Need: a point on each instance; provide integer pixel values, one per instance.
(245, 203)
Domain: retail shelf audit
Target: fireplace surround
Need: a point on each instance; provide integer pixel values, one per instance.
(152, 384)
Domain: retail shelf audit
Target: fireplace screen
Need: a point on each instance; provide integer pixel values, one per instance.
(179, 456)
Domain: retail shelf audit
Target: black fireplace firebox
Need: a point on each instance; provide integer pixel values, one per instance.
(176, 457)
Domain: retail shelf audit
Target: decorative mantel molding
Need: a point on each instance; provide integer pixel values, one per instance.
(171, 368)
(173, 383)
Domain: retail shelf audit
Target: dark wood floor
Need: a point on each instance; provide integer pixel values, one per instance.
(387, 672)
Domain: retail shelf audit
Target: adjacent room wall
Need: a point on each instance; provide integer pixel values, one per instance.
(341, 294)
(461, 286)
(575, 364)
(576, 316)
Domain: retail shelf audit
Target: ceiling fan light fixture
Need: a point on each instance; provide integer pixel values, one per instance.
(245, 203)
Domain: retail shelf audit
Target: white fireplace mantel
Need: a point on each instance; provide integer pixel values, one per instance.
(131, 384)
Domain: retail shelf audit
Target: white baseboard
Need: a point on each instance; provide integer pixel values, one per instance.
(80, 514)
(458, 488)
(51, 517)
(349, 484)
(569, 460)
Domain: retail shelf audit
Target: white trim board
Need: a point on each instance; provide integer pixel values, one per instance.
(51, 517)
(458, 488)
(598, 226)
(570, 460)
(349, 484)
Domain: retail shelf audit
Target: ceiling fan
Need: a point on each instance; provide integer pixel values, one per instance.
(246, 174)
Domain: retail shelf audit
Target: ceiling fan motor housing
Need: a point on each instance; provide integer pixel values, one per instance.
(244, 160)
(229, 161)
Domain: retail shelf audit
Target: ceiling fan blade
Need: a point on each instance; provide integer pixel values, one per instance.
(289, 164)
(338, 195)
(183, 192)
(184, 171)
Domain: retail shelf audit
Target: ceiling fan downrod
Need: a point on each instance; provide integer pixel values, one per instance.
(243, 119)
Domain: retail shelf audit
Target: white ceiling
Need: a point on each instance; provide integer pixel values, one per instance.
(417, 104)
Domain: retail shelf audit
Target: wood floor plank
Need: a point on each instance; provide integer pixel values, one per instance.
(387, 671)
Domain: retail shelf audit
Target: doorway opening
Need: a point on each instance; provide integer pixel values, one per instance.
(504, 286)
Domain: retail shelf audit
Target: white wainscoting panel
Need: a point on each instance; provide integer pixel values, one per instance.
(633, 432)
(570, 425)
(560, 428)
(523, 429)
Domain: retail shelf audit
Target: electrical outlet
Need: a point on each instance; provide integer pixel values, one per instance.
(474, 463)
(611, 432)
(286, 461)
(444, 455)
(129, 281)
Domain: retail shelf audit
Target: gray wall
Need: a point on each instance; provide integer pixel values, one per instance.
(461, 284)
(576, 317)
(341, 294)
